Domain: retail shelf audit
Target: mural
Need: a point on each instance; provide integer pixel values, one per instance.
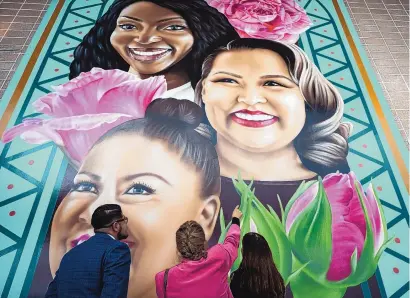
(181, 110)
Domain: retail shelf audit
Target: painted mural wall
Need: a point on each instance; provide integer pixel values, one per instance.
(180, 110)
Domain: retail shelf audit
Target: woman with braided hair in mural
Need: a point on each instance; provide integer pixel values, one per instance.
(155, 37)
(201, 273)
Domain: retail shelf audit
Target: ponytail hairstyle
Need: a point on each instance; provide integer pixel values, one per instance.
(177, 123)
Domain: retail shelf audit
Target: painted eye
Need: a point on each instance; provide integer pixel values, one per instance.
(230, 81)
(85, 187)
(127, 27)
(271, 83)
(140, 189)
(175, 28)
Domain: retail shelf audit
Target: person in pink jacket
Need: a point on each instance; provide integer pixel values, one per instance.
(201, 273)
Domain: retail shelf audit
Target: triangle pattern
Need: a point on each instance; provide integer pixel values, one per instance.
(394, 284)
(327, 30)
(317, 22)
(6, 262)
(385, 190)
(64, 42)
(33, 164)
(73, 20)
(346, 93)
(316, 9)
(355, 109)
(52, 69)
(367, 145)
(17, 214)
(79, 32)
(18, 146)
(36, 95)
(326, 65)
(400, 232)
(320, 41)
(5, 242)
(80, 4)
(67, 56)
(335, 52)
(357, 127)
(362, 167)
(55, 83)
(89, 12)
(343, 77)
(12, 184)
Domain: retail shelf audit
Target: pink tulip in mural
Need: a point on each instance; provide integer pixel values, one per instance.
(281, 20)
(339, 230)
(86, 107)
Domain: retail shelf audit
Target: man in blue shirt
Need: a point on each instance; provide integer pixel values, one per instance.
(100, 266)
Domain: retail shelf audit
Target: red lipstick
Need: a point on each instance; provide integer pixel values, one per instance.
(254, 119)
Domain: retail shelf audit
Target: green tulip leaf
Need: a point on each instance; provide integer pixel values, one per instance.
(311, 234)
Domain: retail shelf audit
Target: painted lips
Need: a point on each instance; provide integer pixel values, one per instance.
(148, 55)
(253, 119)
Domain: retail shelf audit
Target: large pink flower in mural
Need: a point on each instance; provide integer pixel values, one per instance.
(337, 227)
(279, 20)
(85, 108)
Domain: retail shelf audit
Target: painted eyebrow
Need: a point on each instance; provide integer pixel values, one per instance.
(93, 176)
(132, 177)
(263, 77)
(160, 21)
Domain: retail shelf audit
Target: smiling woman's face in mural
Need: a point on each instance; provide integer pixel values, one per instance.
(157, 192)
(252, 102)
(151, 38)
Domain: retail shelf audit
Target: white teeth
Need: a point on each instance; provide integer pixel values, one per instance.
(148, 53)
(81, 241)
(253, 117)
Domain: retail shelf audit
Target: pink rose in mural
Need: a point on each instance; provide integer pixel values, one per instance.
(86, 107)
(338, 228)
(279, 20)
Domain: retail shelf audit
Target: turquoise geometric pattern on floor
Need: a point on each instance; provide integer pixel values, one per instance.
(31, 175)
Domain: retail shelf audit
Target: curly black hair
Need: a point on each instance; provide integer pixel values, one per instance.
(210, 29)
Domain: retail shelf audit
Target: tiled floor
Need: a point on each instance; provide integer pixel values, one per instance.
(383, 27)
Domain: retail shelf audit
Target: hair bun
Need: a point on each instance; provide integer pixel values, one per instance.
(172, 109)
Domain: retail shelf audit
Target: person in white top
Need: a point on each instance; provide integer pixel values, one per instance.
(155, 37)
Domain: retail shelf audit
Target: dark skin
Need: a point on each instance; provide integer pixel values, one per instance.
(153, 40)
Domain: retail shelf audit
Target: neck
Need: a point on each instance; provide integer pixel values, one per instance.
(276, 165)
(106, 232)
(175, 76)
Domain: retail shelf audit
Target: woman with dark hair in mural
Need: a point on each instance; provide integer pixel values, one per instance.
(155, 37)
(165, 172)
(277, 119)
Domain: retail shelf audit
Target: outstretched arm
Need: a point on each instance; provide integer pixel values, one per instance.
(117, 265)
(231, 243)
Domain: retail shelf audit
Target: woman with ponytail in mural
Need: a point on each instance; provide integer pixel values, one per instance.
(152, 157)
(277, 124)
(155, 37)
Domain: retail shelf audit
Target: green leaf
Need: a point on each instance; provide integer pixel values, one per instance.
(293, 275)
(301, 189)
(302, 286)
(311, 235)
(353, 261)
(282, 212)
(269, 226)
